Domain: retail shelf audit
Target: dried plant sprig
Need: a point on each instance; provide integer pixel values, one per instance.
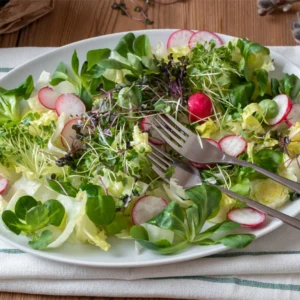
(143, 10)
(266, 7)
(296, 28)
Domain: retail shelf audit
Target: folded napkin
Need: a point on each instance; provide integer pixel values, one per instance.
(268, 269)
(17, 14)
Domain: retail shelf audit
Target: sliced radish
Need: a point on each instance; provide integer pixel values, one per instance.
(285, 106)
(204, 36)
(179, 38)
(69, 104)
(146, 208)
(204, 166)
(68, 134)
(294, 115)
(154, 137)
(200, 107)
(247, 217)
(233, 145)
(47, 97)
(3, 184)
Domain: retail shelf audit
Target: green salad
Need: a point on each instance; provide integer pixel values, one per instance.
(74, 144)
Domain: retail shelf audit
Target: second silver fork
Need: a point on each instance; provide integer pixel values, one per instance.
(195, 149)
(188, 176)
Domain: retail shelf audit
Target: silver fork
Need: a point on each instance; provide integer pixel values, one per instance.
(188, 176)
(195, 149)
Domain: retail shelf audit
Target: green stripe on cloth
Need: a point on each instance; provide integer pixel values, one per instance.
(238, 281)
(234, 254)
(5, 70)
(11, 251)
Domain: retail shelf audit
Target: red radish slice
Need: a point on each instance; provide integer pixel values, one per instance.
(155, 141)
(199, 107)
(69, 104)
(179, 38)
(233, 145)
(294, 115)
(47, 97)
(203, 166)
(3, 184)
(68, 134)
(285, 106)
(204, 36)
(146, 208)
(247, 217)
(146, 126)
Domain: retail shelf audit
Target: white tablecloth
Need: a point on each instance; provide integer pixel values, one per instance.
(267, 269)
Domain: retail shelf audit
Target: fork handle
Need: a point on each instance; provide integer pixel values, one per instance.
(289, 183)
(267, 210)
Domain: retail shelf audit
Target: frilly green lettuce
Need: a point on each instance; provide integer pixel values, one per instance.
(207, 129)
(269, 192)
(249, 121)
(54, 145)
(73, 212)
(87, 232)
(227, 203)
(140, 141)
(176, 193)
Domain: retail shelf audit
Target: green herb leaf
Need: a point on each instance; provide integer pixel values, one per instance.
(42, 241)
(100, 209)
(268, 159)
(119, 223)
(64, 188)
(135, 62)
(114, 64)
(236, 241)
(86, 98)
(172, 217)
(129, 39)
(23, 205)
(75, 63)
(262, 80)
(56, 212)
(242, 187)
(94, 57)
(37, 217)
(192, 216)
(291, 85)
(241, 94)
(129, 97)
(207, 198)
(141, 46)
(220, 227)
(24, 90)
(122, 48)
(60, 74)
(275, 87)
(12, 222)
(139, 233)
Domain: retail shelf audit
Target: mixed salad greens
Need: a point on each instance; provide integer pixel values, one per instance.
(74, 145)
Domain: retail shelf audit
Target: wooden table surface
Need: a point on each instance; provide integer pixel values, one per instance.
(73, 20)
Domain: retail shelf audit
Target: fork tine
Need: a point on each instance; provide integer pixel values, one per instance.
(172, 127)
(159, 161)
(169, 132)
(158, 168)
(179, 125)
(160, 173)
(163, 153)
(166, 139)
(159, 157)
